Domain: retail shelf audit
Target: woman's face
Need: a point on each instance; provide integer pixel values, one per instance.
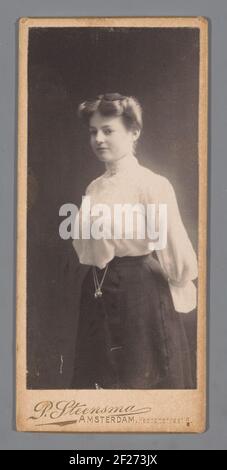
(110, 139)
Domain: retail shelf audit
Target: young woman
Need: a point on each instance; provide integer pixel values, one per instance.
(130, 331)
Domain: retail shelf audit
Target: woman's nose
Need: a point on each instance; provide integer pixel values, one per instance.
(99, 137)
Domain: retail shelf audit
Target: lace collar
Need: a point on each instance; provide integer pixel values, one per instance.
(123, 165)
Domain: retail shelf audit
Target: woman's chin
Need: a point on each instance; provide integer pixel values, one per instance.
(104, 157)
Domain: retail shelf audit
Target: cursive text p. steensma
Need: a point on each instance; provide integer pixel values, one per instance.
(62, 409)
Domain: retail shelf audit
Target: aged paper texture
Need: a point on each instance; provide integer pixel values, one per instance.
(131, 373)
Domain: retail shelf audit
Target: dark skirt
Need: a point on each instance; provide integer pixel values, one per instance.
(131, 337)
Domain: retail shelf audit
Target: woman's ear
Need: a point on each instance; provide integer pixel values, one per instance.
(136, 134)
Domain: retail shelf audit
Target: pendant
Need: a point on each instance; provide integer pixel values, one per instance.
(98, 293)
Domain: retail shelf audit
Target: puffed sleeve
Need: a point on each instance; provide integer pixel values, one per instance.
(178, 259)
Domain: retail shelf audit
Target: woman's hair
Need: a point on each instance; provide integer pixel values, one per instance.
(113, 104)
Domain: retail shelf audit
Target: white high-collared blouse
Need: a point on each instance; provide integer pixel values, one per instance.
(128, 182)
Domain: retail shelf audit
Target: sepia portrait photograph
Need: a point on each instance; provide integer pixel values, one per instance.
(111, 224)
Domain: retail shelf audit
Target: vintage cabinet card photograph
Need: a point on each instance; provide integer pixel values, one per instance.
(111, 224)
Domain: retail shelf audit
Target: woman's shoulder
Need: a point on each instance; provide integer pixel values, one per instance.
(155, 182)
(95, 183)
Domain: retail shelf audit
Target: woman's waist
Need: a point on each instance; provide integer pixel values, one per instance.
(125, 261)
(100, 252)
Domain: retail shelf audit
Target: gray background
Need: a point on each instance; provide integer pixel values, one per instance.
(216, 435)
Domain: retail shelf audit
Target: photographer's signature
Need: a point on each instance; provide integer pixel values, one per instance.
(65, 412)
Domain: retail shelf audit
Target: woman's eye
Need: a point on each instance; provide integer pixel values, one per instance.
(92, 132)
(108, 131)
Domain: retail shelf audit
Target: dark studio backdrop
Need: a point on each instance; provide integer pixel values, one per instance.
(160, 66)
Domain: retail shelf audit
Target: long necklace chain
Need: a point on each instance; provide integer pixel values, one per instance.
(98, 285)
